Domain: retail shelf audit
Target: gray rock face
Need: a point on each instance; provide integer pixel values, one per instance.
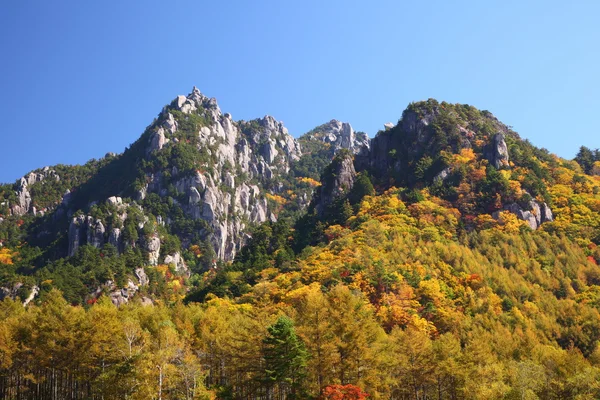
(260, 150)
(95, 233)
(497, 153)
(339, 135)
(546, 213)
(10, 291)
(76, 228)
(153, 248)
(410, 136)
(24, 202)
(177, 261)
(141, 276)
(157, 140)
(85, 230)
(124, 295)
(338, 183)
(35, 290)
(441, 177)
(114, 201)
(13, 291)
(114, 238)
(538, 214)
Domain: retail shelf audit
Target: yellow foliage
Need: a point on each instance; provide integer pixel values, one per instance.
(506, 174)
(276, 198)
(465, 156)
(309, 181)
(6, 256)
(162, 268)
(510, 223)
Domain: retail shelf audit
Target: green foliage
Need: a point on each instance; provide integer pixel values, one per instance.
(362, 187)
(285, 358)
(586, 158)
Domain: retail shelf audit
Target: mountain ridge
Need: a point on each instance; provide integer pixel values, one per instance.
(196, 177)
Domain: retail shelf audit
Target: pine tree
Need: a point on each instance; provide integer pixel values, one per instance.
(285, 359)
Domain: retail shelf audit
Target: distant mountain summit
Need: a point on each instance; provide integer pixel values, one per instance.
(338, 135)
(200, 165)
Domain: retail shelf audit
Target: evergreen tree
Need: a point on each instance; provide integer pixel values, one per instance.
(585, 158)
(285, 359)
(362, 187)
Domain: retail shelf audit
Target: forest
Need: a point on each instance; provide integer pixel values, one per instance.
(405, 286)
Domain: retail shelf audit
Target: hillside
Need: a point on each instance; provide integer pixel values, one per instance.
(195, 181)
(445, 258)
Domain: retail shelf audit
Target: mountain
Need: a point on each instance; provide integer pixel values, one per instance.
(195, 177)
(334, 136)
(447, 257)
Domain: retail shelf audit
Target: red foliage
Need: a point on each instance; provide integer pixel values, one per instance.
(592, 260)
(343, 392)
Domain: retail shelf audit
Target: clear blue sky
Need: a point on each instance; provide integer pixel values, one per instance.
(81, 78)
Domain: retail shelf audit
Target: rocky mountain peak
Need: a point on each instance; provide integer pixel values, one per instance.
(338, 180)
(339, 135)
(423, 149)
(215, 169)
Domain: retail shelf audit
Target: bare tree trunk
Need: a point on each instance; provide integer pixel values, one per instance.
(160, 382)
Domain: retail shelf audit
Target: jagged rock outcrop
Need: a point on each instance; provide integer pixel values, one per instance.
(114, 201)
(123, 295)
(537, 214)
(24, 201)
(95, 233)
(84, 229)
(140, 274)
(338, 180)
(13, 291)
(240, 152)
(75, 233)
(339, 135)
(236, 165)
(35, 290)
(10, 291)
(401, 142)
(153, 249)
(497, 152)
(177, 261)
(114, 238)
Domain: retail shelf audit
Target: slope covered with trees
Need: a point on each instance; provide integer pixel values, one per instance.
(452, 260)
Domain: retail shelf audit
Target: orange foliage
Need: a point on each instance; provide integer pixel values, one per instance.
(343, 392)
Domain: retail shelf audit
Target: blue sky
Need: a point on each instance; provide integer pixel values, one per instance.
(79, 79)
